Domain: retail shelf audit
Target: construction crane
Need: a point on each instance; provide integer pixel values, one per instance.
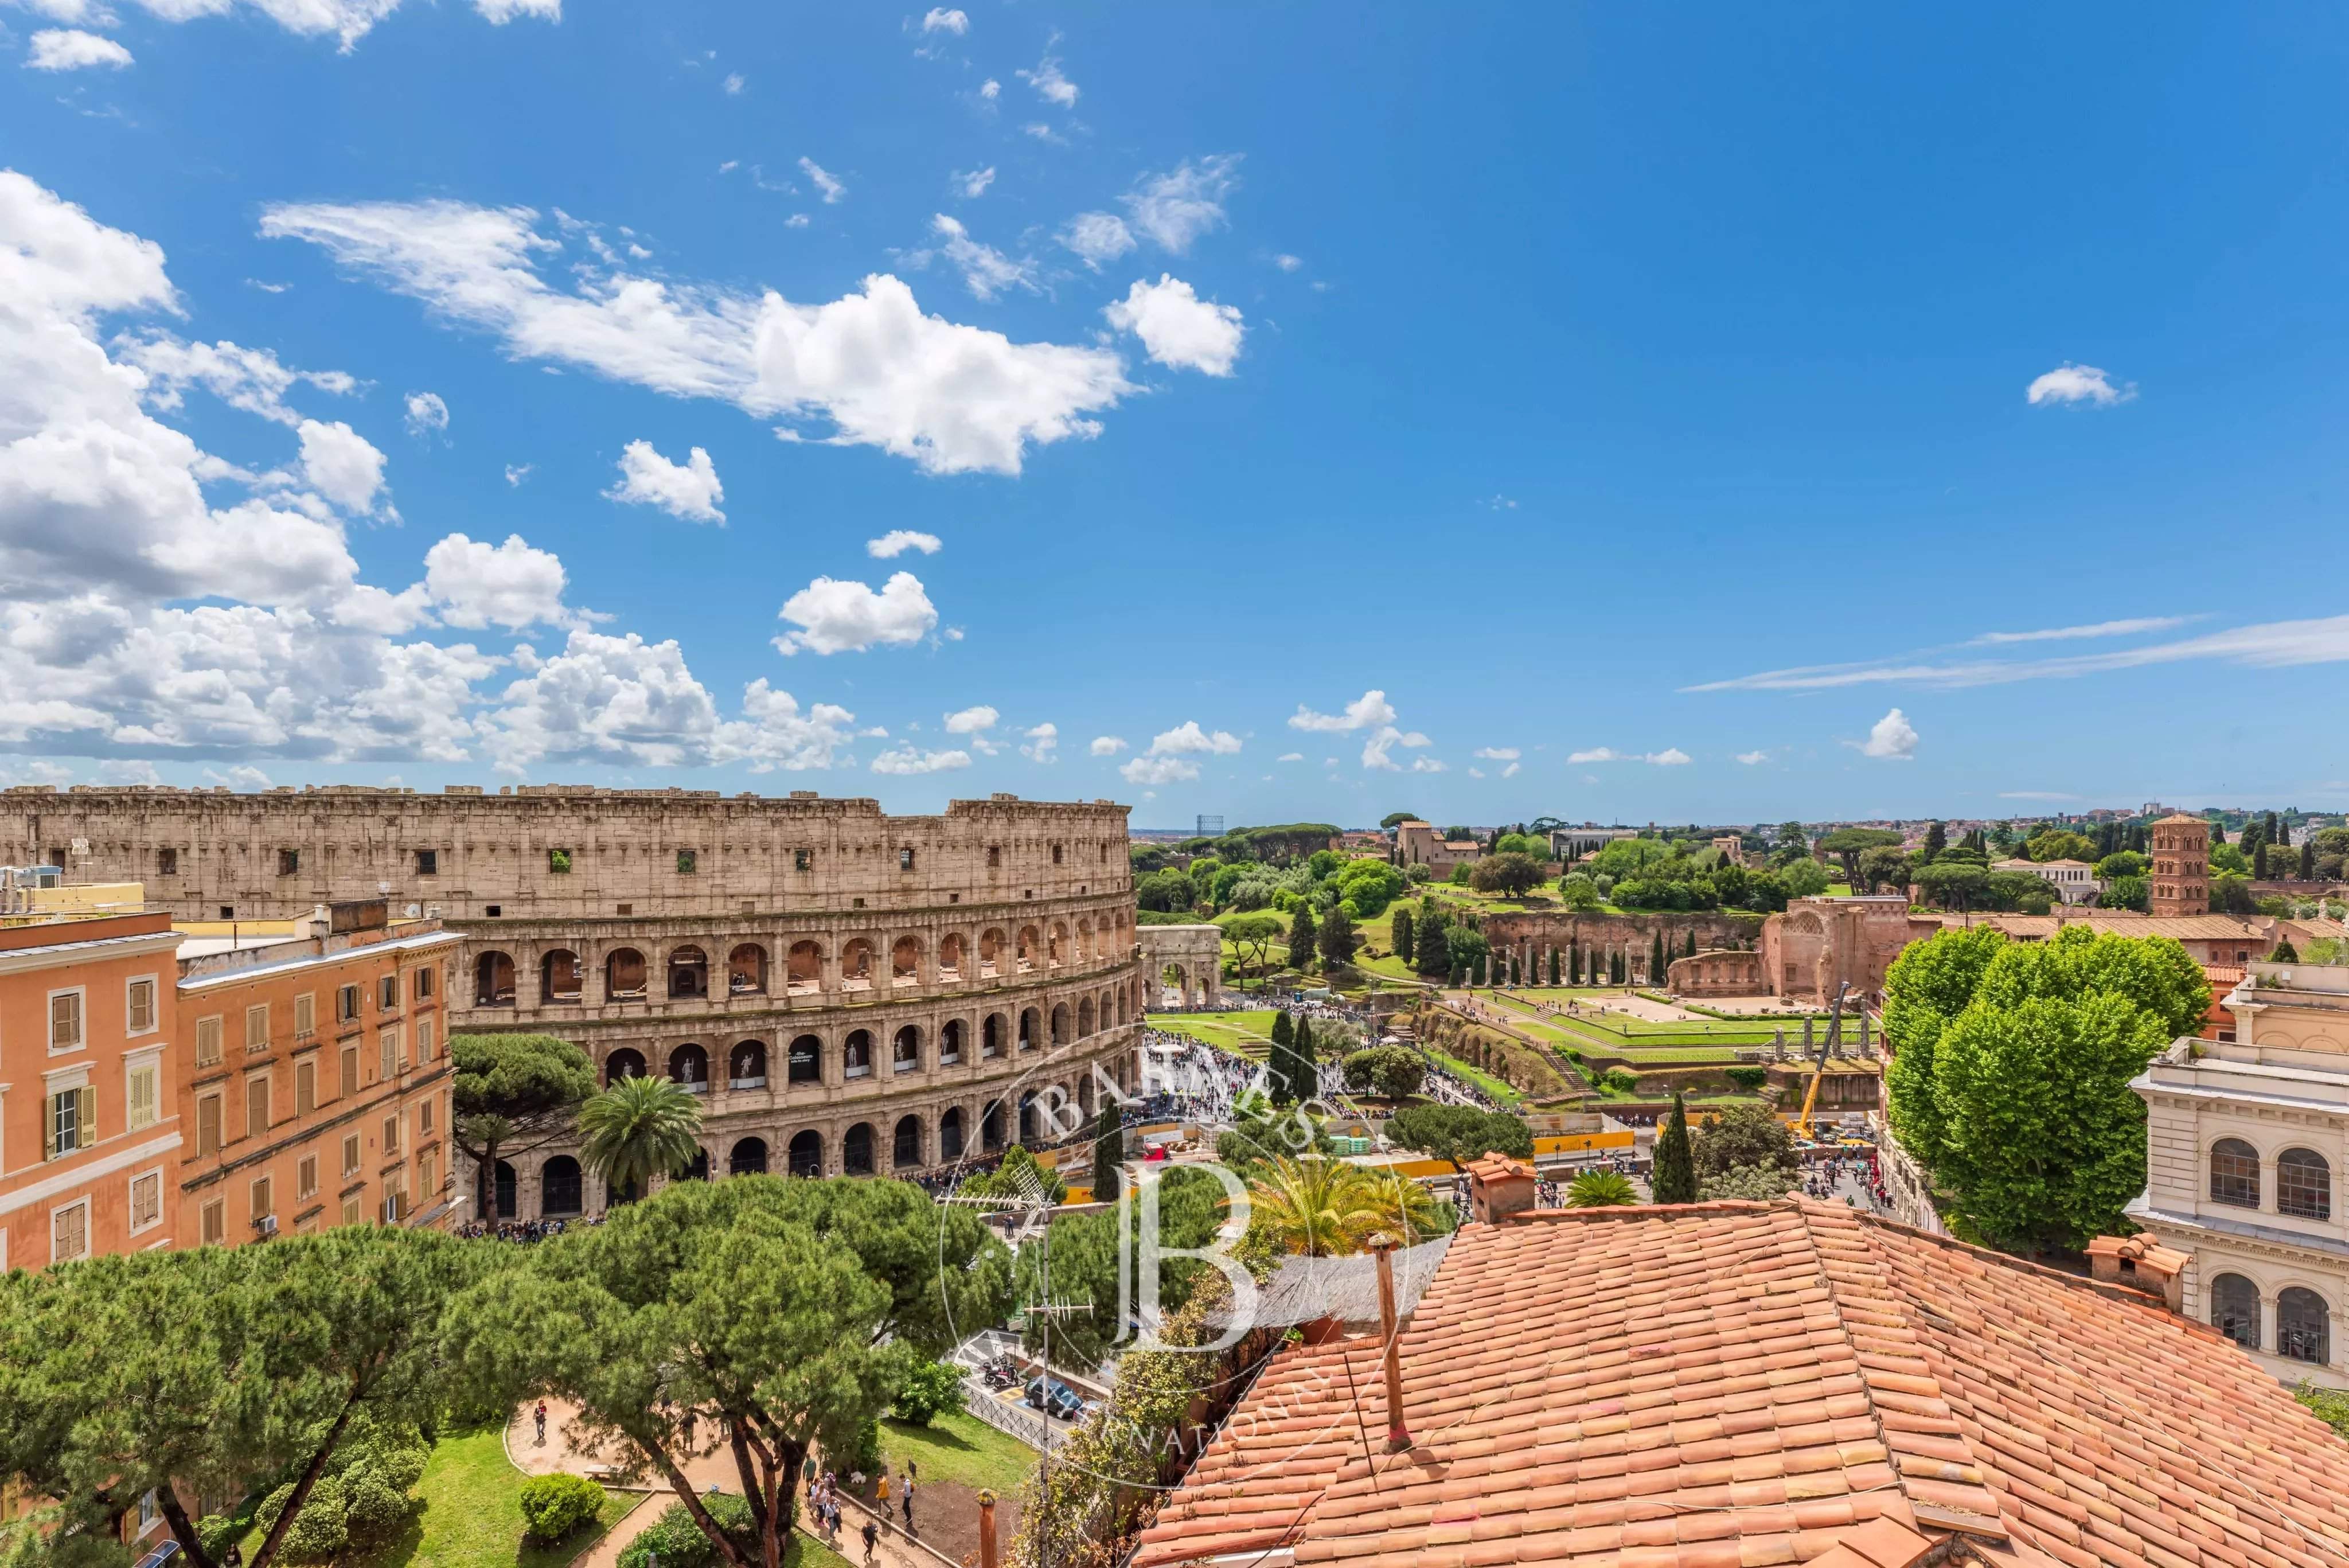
(1819, 1068)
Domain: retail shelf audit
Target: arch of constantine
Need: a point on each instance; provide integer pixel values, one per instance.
(1184, 963)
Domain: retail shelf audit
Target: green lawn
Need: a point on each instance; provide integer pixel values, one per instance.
(1248, 1033)
(960, 1447)
(1509, 1099)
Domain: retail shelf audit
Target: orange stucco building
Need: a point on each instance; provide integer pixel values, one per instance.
(90, 1130)
(317, 1088)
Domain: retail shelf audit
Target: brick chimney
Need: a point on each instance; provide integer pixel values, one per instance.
(1500, 1187)
(2141, 1263)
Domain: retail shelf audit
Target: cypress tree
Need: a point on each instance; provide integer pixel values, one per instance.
(1656, 958)
(2308, 860)
(1338, 940)
(1301, 937)
(2275, 833)
(1402, 935)
(1435, 950)
(1615, 967)
(1553, 969)
(1304, 1051)
(1109, 1152)
(1674, 1178)
(1937, 838)
(2284, 952)
(1281, 1061)
(2260, 861)
(1691, 943)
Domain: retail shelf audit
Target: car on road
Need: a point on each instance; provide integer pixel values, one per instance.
(1055, 1399)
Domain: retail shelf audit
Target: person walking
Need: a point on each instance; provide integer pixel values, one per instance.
(542, 1423)
(872, 1541)
(906, 1487)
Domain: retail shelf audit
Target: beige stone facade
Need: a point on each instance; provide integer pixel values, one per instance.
(1732, 972)
(852, 992)
(1818, 945)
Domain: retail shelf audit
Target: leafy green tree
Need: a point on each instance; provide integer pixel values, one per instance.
(1577, 890)
(510, 1092)
(2127, 893)
(1884, 867)
(1301, 936)
(1937, 838)
(2230, 894)
(1401, 939)
(1460, 1133)
(2059, 844)
(1847, 844)
(928, 1390)
(1109, 1151)
(1387, 824)
(1168, 891)
(1789, 844)
(2121, 863)
(1219, 886)
(1467, 948)
(222, 1370)
(1673, 1178)
(1756, 1183)
(1511, 874)
(1305, 1053)
(1954, 884)
(1804, 879)
(1392, 1072)
(1251, 937)
(638, 1129)
(2228, 858)
(1600, 1189)
(2025, 892)
(773, 1314)
(2284, 951)
(1745, 1136)
(1368, 887)
(1336, 939)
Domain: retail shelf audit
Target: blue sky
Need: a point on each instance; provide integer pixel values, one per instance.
(1597, 411)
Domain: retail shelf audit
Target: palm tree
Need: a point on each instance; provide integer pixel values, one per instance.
(1600, 1189)
(1405, 1209)
(639, 1128)
(1317, 1208)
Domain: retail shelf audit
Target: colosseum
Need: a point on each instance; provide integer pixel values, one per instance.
(853, 992)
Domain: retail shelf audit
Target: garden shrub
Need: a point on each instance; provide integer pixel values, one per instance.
(680, 1541)
(931, 1388)
(1621, 1078)
(553, 1506)
(1748, 1079)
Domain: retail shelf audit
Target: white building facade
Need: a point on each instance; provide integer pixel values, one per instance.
(2073, 881)
(2246, 1142)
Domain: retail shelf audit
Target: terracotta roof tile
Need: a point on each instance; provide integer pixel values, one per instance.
(1747, 1384)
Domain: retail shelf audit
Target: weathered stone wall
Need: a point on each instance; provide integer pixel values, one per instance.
(476, 856)
(1733, 972)
(1820, 944)
(1529, 935)
(1526, 1068)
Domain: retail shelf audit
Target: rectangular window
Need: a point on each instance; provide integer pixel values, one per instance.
(423, 1041)
(305, 1177)
(65, 1020)
(256, 1029)
(428, 1173)
(347, 1003)
(207, 1125)
(350, 1084)
(387, 994)
(386, 1046)
(686, 862)
(306, 1086)
(215, 1222)
(138, 1011)
(146, 1201)
(424, 983)
(391, 1134)
(289, 861)
(350, 1154)
(305, 1015)
(207, 1042)
(352, 1210)
(428, 863)
(802, 859)
(142, 1093)
(905, 860)
(263, 1200)
(424, 1119)
(69, 1231)
(166, 863)
(558, 861)
(72, 1120)
(257, 1108)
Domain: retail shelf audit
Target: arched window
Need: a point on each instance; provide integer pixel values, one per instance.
(990, 1037)
(623, 1063)
(746, 971)
(749, 1159)
(746, 1065)
(856, 965)
(1027, 1133)
(991, 1129)
(1028, 945)
(805, 1063)
(1084, 941)
(1085, 1017)
(2303, 1184)
(624, 974)
(688, 973)
(493, 981)
(856, 1150)
(1030, 1027)
(905, 1051)
(950, 957)
(559, 979)
(990, 954)
(2235, 1309)
(906, 1143)
(950, 1043)
(950, 1134)
(697, 1168)
(504, 1184)
(856, 1055)
(906, 961)
(559, 1188)
(1059, 1025)
(1057, 952)
(804, 971)
(689, 1067)
(2303, 1327)
(807, 1154)
(2235, 1173)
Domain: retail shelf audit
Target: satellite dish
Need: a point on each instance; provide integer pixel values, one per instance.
(383, 887)
(413, 911)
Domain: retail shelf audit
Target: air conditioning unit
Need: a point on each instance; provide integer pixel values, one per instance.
(267, 1225)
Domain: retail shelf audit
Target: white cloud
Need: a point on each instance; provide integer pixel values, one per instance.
(1290, 757)
(69, 49)
(1377, 750)
(942, 20)
(267, 288)
(347, 21)
(1511, 770)
(426, 412)
(836, 617)
(904, 759)
(986, 271)
(498, 13)
(1043, 743)
(1147, 770)
(954, 399)
(733, 85)
(341, 464)
(1287, 262)
(1043, 133)
(1752, 758)
(1426, 766)
(250, 379)
(897, 541)
(1670, 757)
(1051, 84)
(1187, 201)
(687, 490)
(990, 89)
(1367, 712)
(1474, 772)
(1106, 745)
(2070, 383)
(518, 471)
(1892, 739)
(1179, 329)
(831, 190)
(1500, 753)
(974, 722)
(797, 221)
(1096, 238)
(974, 184)
(2128, 628)
(475, 584)
(1187, 738)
